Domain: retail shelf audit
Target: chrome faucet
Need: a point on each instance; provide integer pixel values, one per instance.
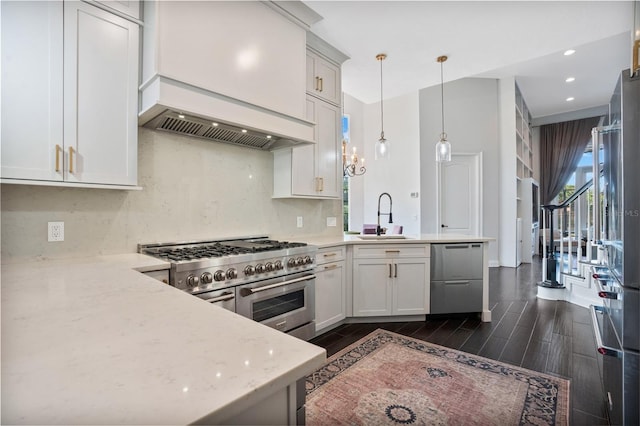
(379, 229)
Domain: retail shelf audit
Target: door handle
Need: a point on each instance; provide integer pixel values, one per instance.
(389, 270)
(71, 152)
(444, 226)
(395, 275)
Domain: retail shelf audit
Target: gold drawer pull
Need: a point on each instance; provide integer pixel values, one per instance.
(71, 152)
(58, 150)
(392, 251)
(331, 267)
(330, 254)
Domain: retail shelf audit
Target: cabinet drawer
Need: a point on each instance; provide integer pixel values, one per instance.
(391, 251)
(330, 254)
(459, 261)
(449, 297)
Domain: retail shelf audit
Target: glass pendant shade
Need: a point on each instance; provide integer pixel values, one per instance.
(443, 149)
(382, 149)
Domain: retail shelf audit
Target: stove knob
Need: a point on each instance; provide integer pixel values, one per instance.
(219, 275)
(206, 278)
(308, 260)
(299, 261)
(269, 267)
(291, 262)
(278, 265)
(192, 281)
(249, 270)
(259, 268)
(232, 273)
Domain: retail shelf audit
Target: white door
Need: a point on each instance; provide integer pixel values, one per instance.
(460, 194)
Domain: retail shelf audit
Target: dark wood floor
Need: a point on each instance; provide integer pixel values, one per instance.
(553, 337)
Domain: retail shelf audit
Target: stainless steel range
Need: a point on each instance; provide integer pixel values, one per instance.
(269, 281)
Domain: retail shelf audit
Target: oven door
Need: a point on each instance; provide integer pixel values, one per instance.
(224, 298)
(284, 303)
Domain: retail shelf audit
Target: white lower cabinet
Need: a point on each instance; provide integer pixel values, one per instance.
(391, 281)
(331, 278)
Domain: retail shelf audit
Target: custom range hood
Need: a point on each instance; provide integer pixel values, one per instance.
(176, 107)
(217, 131)
(248, 89)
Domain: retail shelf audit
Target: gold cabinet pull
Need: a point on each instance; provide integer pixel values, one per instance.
(321, 84)
(58, 150)
(317, 84)
(392, 251)
(334, 266)
(330, 254)
(319, 184)
(71, 152)
(395, 275)
(389, 270)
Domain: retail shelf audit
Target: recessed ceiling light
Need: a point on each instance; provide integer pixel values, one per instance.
(268, 136)
(214, 124)
(569, 52)
(181, 116)
(570, 79)
(244, 130)
(569, 99)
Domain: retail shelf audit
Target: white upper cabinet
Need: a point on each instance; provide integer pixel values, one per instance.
(323, 78)
(100, 103)
(88, 82)
(31, 90)
(242, 50)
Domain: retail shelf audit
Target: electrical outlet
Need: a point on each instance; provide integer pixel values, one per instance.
(299, 221)
(331, 221)
(414, 195)
(56, 231)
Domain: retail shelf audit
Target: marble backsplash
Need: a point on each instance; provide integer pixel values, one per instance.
(192, 189)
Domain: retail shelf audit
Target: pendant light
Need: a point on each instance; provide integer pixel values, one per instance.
(443, 147)
(382, 146)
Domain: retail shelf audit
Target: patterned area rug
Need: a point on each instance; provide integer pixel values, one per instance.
(387, 378)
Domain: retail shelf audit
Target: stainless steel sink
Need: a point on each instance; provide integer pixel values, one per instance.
(382, 237)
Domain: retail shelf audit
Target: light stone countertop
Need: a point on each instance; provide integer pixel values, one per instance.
(92, 341)
(350, 239)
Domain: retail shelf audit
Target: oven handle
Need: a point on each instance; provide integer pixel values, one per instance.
(602, 349)
(244, 292)
(224, 297)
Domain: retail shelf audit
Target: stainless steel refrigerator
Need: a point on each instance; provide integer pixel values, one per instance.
(621, 301)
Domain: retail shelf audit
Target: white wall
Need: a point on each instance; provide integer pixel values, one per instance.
(193, 189)
(471, 123)
(400, 175)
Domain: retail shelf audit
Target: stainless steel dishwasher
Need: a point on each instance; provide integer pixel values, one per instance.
(456, 278)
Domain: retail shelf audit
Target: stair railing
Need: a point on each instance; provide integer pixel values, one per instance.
(569, 223)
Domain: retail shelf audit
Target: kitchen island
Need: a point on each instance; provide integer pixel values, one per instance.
(94, 341)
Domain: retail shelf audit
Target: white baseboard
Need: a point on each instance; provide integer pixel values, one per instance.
(494, 264)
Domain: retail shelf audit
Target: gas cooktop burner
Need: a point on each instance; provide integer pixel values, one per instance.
(220, 249)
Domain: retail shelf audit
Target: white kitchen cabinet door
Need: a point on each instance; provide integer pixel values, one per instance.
(323, 78)
(372, 287)
(330, 294)
(411, 286)
(32, 99)
(101, 93)
(312, 171)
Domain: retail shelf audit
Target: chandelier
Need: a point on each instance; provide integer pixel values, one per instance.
(355, 165)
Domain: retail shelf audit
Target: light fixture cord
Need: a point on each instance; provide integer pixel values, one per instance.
(381, 106)
(442, 93)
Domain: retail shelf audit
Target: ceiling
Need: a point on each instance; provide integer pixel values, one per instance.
(525, 39)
